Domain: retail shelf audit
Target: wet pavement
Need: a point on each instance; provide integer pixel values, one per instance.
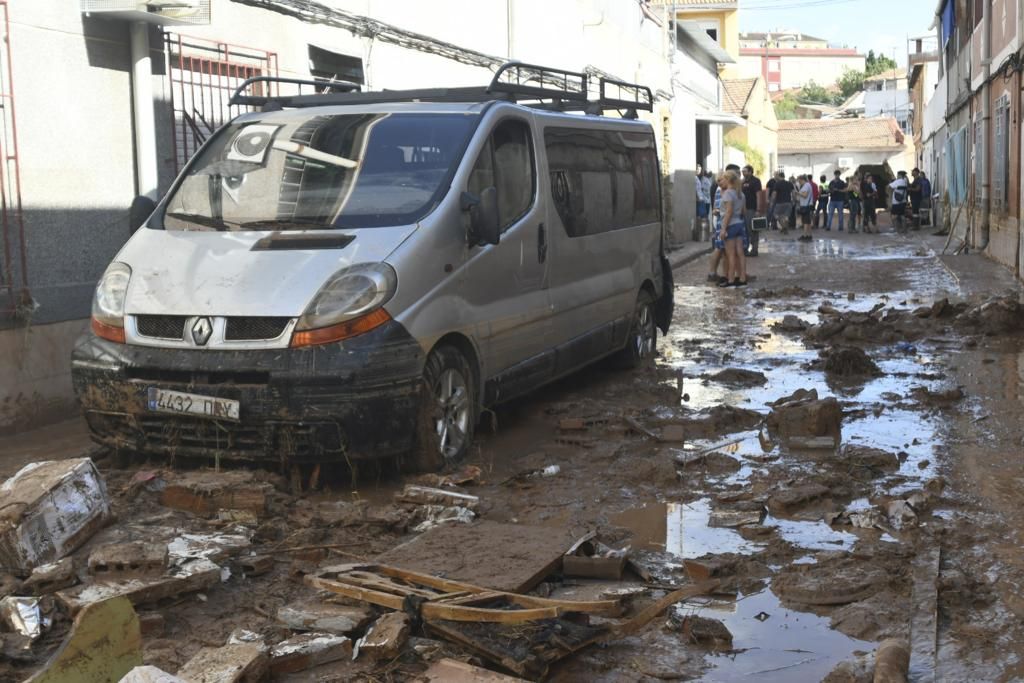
(803, 589)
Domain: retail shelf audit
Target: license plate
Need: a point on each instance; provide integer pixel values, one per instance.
(166, 401)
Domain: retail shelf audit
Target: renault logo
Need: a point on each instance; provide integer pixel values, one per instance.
(202, 328)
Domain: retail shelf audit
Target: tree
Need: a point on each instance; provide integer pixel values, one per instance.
(876, 64)
(812, 93)
(785, 108)
(850, 83)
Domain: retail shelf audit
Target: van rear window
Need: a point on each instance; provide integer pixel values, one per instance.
(603, 180)
(321, 172)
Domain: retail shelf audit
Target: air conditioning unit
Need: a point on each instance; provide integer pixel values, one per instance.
(165, 12)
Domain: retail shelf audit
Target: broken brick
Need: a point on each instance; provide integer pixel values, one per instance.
(253, 565)
(48, 578)
(205, 493)
(385, 638)
(136, 558)
(308, 650)
(235, 663)
(192, 576)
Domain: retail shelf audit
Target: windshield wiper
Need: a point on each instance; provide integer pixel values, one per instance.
(282, 224)
(199, 219)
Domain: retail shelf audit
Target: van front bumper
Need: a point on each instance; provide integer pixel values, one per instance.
(352, 400)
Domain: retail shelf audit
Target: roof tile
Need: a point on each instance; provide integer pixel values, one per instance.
(811, 135)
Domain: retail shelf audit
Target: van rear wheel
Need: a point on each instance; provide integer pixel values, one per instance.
(446, 419)
(643, 335)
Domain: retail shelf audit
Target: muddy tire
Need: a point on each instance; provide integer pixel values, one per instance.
(643, 335)
(447, 412)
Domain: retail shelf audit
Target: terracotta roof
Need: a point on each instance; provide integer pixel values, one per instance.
(736, 94)
(812, 135)
(887, 75)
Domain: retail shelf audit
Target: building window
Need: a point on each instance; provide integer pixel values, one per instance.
(327, 66)
(712, 28)
(1001, 154)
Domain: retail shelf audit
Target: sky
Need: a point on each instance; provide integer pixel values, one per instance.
(878, 25)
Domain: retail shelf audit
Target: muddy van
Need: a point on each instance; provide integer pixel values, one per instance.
(353, 275)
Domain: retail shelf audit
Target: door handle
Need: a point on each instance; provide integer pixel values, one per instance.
(542, 243)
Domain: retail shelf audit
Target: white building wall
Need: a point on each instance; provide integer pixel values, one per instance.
(797, 70)
(826, 163)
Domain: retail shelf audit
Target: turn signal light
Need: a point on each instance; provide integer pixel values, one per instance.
(334, 333)
(108, 332)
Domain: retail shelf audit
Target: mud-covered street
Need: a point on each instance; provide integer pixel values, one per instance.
(837, 446)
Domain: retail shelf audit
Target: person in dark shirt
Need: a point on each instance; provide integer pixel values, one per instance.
(836, 200)
(916, 196)
(782, 194)
(869, 196)
(751, 195)
(822, 209)
(769, 188)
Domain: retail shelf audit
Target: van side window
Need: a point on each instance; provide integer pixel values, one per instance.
(506, 162)
(602, 180)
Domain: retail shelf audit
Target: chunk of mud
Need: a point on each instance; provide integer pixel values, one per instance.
(785, 292)
(652, 470)
(806, 417)
(996, 316)
(792, 499)
(720, 420)
(883, 615)
(939, 398)
(848, 361)
(831, 583)
(738, 377)
(866, 456)
(798, 395)
(712, 463)
(859, 670)
(791, 323)
(700, 630)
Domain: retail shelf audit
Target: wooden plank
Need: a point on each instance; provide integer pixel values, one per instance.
(453, 671)
(924, 615)
(652, 611)
(508, 557)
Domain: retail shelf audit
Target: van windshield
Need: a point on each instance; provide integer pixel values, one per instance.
(321, 172)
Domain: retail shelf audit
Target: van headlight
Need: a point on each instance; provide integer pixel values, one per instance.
(108, 302)
(349, 304)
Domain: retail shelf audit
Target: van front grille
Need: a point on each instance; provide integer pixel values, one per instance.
(251, 328)
(161, 326)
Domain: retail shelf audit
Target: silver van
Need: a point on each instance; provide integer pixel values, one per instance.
(354, 275)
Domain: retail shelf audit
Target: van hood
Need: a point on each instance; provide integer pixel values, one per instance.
(219, 273)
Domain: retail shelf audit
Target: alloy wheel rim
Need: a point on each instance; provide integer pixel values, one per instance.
(644, 340)
(452, 422)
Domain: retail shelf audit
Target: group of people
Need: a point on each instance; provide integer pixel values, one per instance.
(732, 201)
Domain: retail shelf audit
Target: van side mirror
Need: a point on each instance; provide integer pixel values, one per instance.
(141, 209)
(484, 227)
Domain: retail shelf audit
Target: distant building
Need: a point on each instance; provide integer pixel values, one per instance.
(792, 60)
(748, 98)
(718, 18)
(822, 146)
(886, 94)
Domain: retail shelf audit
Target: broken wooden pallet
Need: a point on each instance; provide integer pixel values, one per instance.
(440, 598)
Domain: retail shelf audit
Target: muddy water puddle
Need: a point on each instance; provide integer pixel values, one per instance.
(770, 642)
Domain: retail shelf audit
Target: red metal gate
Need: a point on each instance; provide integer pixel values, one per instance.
(203, 74)
(13, 271)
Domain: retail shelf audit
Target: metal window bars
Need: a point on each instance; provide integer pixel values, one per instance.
(530, 84)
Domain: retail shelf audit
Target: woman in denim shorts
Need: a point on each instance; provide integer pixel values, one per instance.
(733, 231)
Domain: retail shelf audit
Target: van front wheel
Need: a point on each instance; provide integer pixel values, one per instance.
(446, 417)
(643, 335)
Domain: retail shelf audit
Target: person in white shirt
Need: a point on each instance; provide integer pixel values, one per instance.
(898, 201)
(805, 203)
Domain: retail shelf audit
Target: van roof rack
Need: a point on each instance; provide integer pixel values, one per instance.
(529, 84)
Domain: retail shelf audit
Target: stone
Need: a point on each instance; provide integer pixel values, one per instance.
(328, 617)
(234, 663)
(49, 510)
(874, 458)
(701, 630)
(731, 519)
(190, 577)
(150, 674)
(386, 636)
(738, 377)
(308, 650)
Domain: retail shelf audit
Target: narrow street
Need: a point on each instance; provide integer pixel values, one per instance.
(916, 473)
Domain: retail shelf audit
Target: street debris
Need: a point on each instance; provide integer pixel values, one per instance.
(700, 630)
(424, 495)
(206, 495)
(317, 615)
(892, 661)
(453, 671)
(590, 558)
(848, 361)
(232, 663)
(49, 510)
(47, 578)
(308, 650)
(385, 638)
(738, 377)
(24, 616)
(804, 414)
(136, 558)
